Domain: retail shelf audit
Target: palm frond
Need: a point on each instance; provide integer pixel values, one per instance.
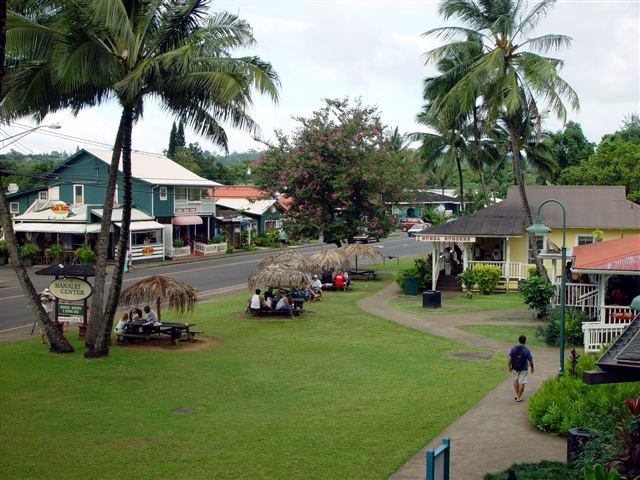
(546, 43)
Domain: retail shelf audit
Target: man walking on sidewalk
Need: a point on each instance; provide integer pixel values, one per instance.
(519, 360)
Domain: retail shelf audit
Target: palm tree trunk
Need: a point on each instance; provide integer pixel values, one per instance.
(476, 152)
(459, 165)
(54, 337)
(103, 340)
(517, 173)
(485, 192)
(97, 303)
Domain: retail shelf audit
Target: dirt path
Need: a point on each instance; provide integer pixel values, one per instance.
(496, 431)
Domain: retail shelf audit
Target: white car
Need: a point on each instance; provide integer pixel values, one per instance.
(418, 228)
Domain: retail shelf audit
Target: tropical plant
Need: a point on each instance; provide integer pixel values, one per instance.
(174, 51)
(55, 251)
(537, 292)
(629, 434)
(467, 279)
(573, 320)
(85, 254)
(3, 247)
(421, 270)
(177, 243)
(487, 278)
(597, 472)
(29, 250)
(508, 77)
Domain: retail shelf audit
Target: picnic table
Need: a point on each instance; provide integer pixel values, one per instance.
(362, 274)
(165, 330)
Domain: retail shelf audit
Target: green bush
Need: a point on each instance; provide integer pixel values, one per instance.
(487, 278)
(421, 270)
(434, 217)
(229, 249)
(85, 254)
(537, 293)
(565, 402)
(55, 251)
(467, 279)
(266, 239)
(534, 471)
(4, 248)
(573, 320)
(178, 243)
(29, 250)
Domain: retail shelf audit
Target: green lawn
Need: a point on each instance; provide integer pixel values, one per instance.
(462, 304)
(505, 333)
(506, 318)
(395, 263)
(335, 394)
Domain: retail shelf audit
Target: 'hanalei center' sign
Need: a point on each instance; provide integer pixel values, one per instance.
(70, 289)
(446, 238)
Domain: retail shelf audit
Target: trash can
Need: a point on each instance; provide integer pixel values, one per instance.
(575, 439)
(431, 299)
(410, 286)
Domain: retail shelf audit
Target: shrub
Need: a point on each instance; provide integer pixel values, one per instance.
(573, 319)
(565, 402)
(229, 249)
(537, 293)
(487, 278)
(178, 243)
(29, 250)
(421, 270)
(4, 248)
(467, 279)
(85, 254)
(544, 470)
(55, 251)
(434, 217)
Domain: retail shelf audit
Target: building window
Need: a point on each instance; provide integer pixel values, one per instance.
(195, 194)
(180, 194)
(539, 239)
(44, 195)
(163, 193)
(146, 238)
(78, 194)
(54, 193)
(585, 239)
(14, 207)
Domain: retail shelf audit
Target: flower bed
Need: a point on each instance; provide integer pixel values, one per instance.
(176, 252)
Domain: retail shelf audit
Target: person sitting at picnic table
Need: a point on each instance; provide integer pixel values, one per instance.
(257, 301)
(122, 324)
(340, 281)
(346, 278)
(327, 278)
(316, 286)
(135, 315)
(268, 303)
(150, 317)
(284, 305)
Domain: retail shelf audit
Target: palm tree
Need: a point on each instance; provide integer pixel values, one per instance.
(510, 77)
(130, 50)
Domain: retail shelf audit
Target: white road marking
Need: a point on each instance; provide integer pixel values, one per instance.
(16, 328)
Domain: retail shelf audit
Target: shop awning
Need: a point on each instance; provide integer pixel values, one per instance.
(187, 220)
(142, 226)
(38, 227)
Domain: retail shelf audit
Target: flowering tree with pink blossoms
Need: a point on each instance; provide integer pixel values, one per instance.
(339, 169)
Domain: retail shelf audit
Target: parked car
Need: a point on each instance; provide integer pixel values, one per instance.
(418, 228)
(407, 223)
(366, 237)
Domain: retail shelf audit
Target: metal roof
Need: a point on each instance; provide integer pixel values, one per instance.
(622, 254)
(623, 356)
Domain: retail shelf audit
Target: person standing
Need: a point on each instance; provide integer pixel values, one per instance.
(519, 361)
(128, 260)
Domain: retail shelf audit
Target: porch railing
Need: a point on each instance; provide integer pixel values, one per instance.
(204, 206)
(510, 270)
(615, 314)
(597, 334)
(583, 296)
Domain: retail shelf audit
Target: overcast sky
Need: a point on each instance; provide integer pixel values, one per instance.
(373, 49)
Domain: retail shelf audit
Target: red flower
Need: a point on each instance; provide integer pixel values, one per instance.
(633, 405)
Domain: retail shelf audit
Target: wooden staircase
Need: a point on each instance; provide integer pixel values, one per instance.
(448, 283)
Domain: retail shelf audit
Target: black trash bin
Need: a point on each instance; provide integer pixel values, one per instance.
(410, 286)
(431, 299)
(575, 439)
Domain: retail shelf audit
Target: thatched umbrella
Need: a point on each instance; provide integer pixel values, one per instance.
(277, 276)
(161, 290)
(290, 259)
(329, 260)
(361, 250)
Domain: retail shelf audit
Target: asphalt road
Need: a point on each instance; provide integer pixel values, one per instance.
(212, 277)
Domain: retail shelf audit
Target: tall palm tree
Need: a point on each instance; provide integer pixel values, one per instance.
(169, 49)
(511, 73)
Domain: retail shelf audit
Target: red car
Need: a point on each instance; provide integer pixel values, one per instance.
(407, 223)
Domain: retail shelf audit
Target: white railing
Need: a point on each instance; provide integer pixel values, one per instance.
(615, 314)
(597, 334)
(204, 206)
(147, 252)
(511, 270)
(210, 248)
(583, 296)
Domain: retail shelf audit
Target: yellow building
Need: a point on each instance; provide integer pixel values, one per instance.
(496, 235)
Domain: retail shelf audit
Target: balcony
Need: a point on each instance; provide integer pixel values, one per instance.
(204, 206)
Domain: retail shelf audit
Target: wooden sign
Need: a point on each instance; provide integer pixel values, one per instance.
(446, 238)
(70, 289)
(60, 209)
(70, 313)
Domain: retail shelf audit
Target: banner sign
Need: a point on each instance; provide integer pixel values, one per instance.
(446, 238)
(70, 289)
(70, 313)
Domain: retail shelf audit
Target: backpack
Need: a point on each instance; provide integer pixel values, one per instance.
(518, 361)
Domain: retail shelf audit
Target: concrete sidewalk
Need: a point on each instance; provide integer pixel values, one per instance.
(496, 431)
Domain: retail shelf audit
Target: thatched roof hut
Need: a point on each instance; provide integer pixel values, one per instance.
(160, 290)
(290, 259)
(277, 276)
(361, 250)
(328, 260)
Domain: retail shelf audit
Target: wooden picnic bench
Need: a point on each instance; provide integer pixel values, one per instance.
(171, 331)
(363, 275)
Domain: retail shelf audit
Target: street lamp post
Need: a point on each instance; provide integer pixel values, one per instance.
(24, 133)
(539, 228)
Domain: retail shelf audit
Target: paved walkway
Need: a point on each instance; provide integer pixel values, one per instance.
(496, 431)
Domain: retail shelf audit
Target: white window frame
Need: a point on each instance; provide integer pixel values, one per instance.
(74, 194)
(14, 207)
(584, 235)
(164, 193)
(43, 195)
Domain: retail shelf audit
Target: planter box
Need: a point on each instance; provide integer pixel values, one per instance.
(206, 249)
(178, 252)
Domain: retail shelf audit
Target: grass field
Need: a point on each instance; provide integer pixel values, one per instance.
(337, 393)
(505, 333)
(462, 304)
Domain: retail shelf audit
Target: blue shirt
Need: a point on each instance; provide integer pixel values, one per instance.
(525, 353)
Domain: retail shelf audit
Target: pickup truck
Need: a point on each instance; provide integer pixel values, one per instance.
(407, 223)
